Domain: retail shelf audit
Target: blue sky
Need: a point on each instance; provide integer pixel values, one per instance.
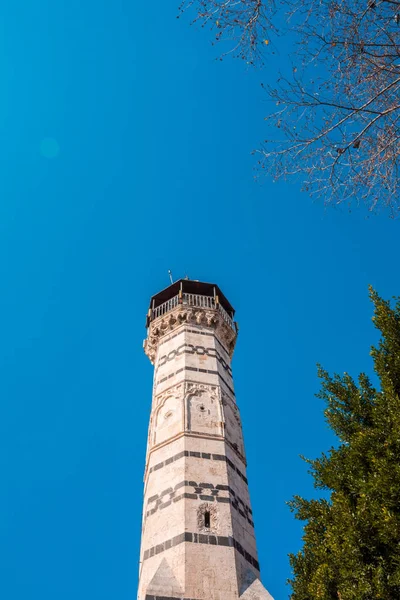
(126, 151)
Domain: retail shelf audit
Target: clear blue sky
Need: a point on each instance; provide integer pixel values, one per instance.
(125, 152)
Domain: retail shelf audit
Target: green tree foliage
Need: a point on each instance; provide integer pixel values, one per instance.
(351, 541)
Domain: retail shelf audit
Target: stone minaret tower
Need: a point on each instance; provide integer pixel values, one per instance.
(198, 533)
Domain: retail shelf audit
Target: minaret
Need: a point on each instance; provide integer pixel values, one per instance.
(198, 533)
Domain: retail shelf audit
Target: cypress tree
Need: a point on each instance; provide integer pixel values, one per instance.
(351, 541)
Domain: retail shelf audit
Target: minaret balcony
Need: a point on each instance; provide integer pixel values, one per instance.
(188, 301)
(193, 300)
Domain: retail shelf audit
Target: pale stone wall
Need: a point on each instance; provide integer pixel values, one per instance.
(197, 533)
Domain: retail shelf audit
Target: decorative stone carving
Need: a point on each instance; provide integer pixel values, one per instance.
(188, 314)
(212, 510)
(197, 389)
(176, 390)
(167, 418)
(203, 409)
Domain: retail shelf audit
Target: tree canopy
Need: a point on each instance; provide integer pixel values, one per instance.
(336, 124)
(351, 542)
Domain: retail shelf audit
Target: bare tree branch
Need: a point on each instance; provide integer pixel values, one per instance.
(243, 24)
(345, 145)
(337, 121)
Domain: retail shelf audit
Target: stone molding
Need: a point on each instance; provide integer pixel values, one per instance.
(177, 390)
(182, 315)
(201, 538)
(195, 370)
(206, 492)
(151, 597)
(191, 453)
(186, 348)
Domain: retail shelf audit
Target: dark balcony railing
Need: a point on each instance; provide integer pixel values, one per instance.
(192, 300)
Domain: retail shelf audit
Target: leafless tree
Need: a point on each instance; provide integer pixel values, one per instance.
(239, 23)
(335, 121)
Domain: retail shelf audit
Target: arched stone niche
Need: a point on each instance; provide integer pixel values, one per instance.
(203, 410)
(168, 419)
